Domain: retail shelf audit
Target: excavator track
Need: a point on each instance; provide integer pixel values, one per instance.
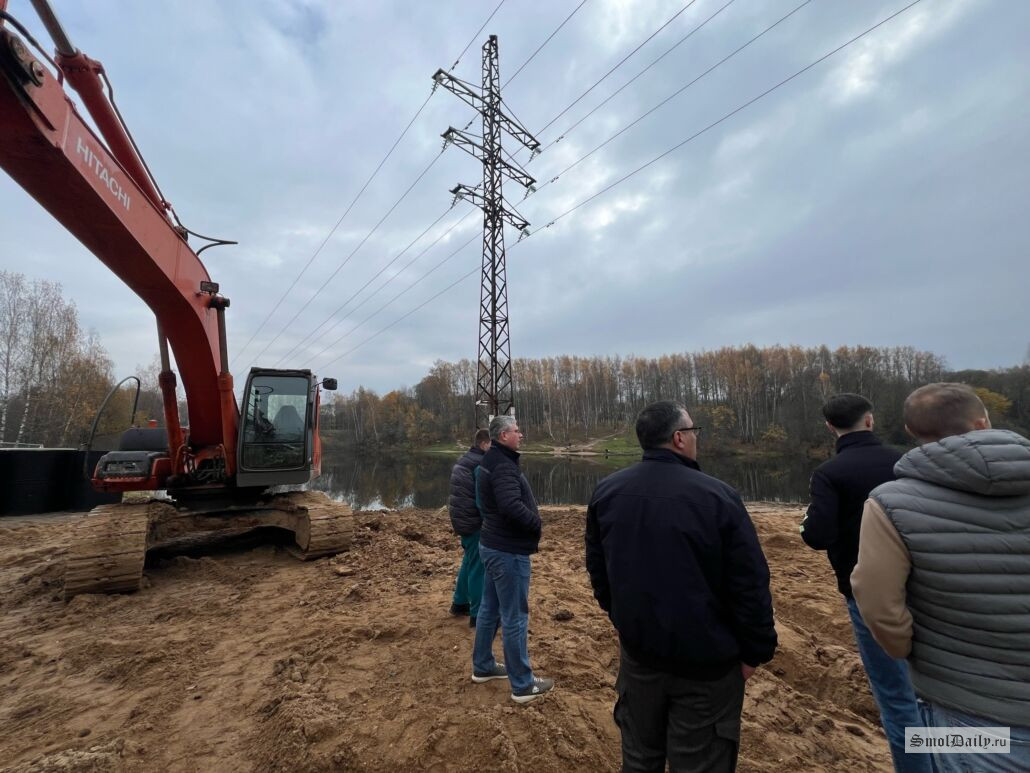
(111, 543)
(108, 549)
(328, 528)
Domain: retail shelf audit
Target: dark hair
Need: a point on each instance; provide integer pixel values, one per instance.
(482, 436)
(943, 409)
(657, 423)
(845, 410)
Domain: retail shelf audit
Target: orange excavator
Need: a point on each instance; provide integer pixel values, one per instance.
(220, 471)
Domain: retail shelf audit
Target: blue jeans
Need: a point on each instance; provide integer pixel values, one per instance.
(1018, 758)
(505, 601)
(468, 589)
(893, 693)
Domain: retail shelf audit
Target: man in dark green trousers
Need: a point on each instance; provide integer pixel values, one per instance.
(466, 522)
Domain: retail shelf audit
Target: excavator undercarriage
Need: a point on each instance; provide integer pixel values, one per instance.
(110, 546)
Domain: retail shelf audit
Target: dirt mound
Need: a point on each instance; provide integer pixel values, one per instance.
(240, 657)
(95, 759)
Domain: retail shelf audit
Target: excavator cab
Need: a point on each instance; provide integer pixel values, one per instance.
(278, 432)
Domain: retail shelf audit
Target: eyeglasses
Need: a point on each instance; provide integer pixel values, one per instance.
(695, 430)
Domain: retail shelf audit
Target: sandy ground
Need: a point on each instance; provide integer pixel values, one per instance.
(239, 657)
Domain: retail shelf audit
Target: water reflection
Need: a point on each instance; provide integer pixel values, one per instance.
(421, 480)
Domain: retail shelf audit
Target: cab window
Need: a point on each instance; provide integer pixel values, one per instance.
(275, 423)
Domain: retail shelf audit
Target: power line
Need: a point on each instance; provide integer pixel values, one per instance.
(517, 72)
(619, 90)
(514, 75)
(346, 260)
(422, 305)
(624, 59)
(344, 304)
(618, 65)
(541, 46)
(531, 56)
(676, 93)
(665, 101)
(639, 169)
(398, 295)
(581, 96)
(728, 115)
(332, 230)
(404, 292)
(526, 62)
(357, 196)
(408, 265)
(478, 32)
(375, 276)
(668, 99)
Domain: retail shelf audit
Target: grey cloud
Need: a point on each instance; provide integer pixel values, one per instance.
(893, 217)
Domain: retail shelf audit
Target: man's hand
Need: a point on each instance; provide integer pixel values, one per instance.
(819, 529)
(746, 671)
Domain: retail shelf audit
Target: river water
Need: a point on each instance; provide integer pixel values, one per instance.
(368, 481)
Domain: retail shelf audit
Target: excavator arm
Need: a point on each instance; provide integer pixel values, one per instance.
(100, 190)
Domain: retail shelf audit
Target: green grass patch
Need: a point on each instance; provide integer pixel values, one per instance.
(444, 448)
(624, 443)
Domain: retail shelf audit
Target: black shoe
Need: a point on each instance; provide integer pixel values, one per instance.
(472, 622)
(459, 610)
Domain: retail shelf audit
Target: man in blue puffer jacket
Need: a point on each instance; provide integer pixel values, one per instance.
(510, 534)
(466, 522)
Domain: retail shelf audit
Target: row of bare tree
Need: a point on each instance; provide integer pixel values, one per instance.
(53, 375)
(742, 394)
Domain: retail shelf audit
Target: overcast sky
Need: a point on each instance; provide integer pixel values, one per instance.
(879, 198)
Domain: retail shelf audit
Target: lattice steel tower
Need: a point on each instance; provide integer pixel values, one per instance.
(494, 391)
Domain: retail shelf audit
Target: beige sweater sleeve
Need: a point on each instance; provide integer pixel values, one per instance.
(879, 579)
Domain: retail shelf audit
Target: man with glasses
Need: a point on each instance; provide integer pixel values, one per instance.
(675, 562)
(510, 534)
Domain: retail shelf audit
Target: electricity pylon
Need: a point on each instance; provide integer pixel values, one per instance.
(494, 390)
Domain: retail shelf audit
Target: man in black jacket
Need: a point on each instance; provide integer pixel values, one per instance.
(840, 488)
(466, 522)
(675, 562)
(510, 534)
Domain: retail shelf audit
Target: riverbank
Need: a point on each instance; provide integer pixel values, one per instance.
(241, 658)
(614, 446)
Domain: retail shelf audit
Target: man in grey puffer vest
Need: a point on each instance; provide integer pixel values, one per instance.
(943, 574)
(467, 522)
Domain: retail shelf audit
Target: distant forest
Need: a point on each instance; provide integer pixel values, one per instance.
(744, 396)
(54, 376)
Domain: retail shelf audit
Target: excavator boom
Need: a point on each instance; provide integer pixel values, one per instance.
(48, 149)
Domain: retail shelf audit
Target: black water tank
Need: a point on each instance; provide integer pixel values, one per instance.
(41, 480)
